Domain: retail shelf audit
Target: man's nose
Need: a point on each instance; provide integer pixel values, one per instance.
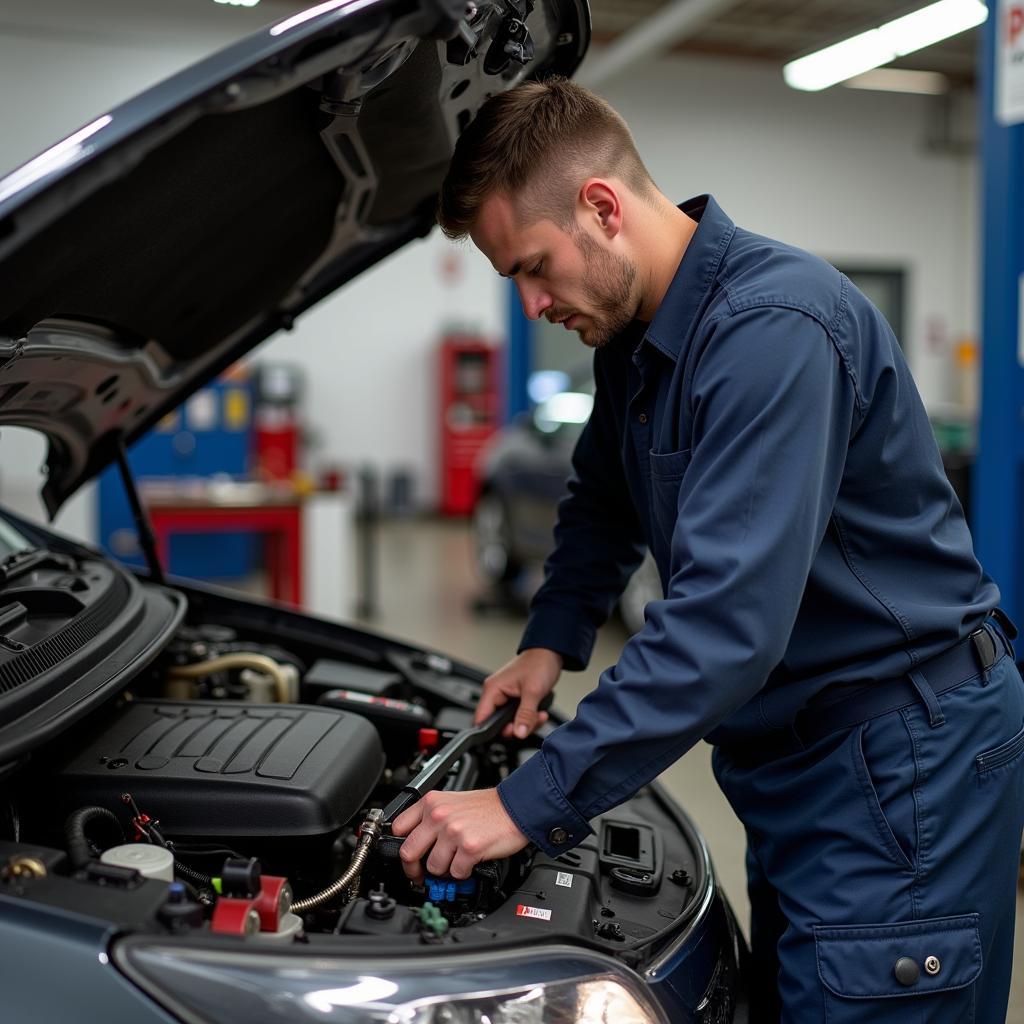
(534, 300)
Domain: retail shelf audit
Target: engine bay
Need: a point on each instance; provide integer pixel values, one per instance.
(243, 782)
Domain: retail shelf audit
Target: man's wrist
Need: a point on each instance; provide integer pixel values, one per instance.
(540, 810)
(556, 658)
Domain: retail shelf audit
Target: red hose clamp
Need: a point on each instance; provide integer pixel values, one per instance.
(273, 902)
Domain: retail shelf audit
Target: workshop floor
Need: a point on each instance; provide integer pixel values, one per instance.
(426, 593)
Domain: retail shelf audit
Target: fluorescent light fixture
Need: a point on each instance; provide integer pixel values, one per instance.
(880, 45)
(929, 83)
(238, 3)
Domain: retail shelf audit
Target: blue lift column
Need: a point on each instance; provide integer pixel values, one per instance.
(520, 356)
(998, 488)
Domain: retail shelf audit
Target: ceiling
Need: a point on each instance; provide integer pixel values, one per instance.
(775, 31)
(781, 30)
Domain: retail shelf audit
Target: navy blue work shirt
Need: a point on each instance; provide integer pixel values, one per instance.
(764, 437)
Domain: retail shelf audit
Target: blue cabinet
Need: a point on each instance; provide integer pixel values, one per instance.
(210, 434)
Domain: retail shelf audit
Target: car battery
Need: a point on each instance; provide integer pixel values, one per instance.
(398, 721)
(326, 674)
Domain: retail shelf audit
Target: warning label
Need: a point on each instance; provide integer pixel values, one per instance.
(538, 912)
(564, 878)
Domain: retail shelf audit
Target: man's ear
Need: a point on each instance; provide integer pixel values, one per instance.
(602, 205)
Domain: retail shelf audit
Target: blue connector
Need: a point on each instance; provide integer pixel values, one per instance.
(446, 890)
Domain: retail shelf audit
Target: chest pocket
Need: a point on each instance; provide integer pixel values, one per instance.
(667, 472)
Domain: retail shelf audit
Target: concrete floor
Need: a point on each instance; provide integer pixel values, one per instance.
(426, 592)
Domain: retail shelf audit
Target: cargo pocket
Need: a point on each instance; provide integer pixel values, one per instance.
(917, 970)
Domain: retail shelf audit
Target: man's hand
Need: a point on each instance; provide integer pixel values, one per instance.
(463, 829)
(530, 676)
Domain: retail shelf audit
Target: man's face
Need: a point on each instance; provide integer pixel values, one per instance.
(566, 276)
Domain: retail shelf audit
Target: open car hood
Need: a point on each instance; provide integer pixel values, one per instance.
(148, 251)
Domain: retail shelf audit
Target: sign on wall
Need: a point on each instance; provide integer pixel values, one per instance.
(1010, 62)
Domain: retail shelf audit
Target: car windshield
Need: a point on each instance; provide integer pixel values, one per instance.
(10, 540)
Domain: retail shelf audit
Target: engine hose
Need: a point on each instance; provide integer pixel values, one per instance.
(278, 654)
(193, 876)
(260, 662)
(368, 833)
(74, 832)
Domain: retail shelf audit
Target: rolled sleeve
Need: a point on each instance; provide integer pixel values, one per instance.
(774, 408)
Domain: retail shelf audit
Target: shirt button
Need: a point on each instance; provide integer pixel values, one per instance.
(906, 970)
(557, 836)
(642, 417)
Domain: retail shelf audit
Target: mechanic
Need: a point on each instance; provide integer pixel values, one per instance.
(825, 624)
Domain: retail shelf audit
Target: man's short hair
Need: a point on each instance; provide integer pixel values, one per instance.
(536, 144)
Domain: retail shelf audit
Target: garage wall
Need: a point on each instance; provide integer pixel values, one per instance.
(843, 173)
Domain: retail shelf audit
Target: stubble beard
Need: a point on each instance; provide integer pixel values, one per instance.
(610, 282)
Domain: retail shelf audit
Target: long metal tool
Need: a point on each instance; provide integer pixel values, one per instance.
(432, 774)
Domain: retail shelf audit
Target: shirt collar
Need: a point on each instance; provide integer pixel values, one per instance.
(688, 292)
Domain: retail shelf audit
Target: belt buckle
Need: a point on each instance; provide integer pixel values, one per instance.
(985, 648)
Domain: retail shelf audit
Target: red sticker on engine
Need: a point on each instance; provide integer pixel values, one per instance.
(538, 912)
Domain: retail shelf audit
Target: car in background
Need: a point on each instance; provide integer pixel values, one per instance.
(523, 473)
(196, 788)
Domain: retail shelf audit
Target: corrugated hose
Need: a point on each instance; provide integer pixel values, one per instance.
(369, 832)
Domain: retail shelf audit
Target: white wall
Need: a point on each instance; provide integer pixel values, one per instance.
(843, 173)
(370, 356)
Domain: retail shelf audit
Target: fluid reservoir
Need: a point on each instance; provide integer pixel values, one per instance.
(149, 861)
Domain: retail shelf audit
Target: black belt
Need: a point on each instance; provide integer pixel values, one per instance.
(973, 655)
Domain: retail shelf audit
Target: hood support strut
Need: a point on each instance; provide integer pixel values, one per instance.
(147, 539)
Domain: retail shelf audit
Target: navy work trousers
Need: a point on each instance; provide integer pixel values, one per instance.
(883, 859)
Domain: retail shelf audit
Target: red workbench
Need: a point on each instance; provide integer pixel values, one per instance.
(278, 518)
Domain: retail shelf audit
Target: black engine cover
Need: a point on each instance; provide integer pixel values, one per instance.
(216, 769)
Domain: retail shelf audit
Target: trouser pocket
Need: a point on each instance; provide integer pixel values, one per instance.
(884, 763)
(1002, 755)
(922, 971)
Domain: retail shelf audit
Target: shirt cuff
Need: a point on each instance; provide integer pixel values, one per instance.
(558, 630)
(540, 810)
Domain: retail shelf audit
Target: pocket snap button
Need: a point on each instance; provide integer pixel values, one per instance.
(906, 970)
(932, 965)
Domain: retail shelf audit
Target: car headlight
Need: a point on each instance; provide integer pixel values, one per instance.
(558, 985)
